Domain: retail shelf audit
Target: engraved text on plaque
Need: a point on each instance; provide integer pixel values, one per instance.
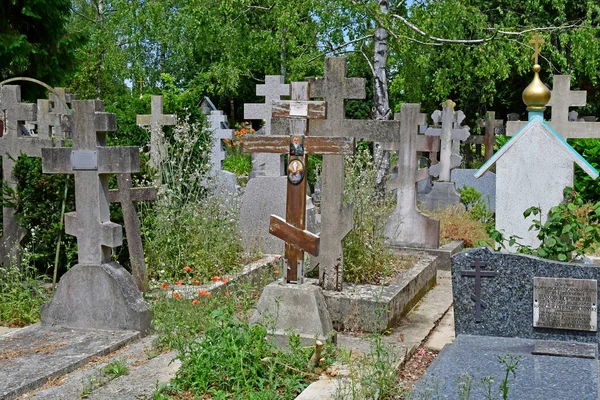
(563, 303)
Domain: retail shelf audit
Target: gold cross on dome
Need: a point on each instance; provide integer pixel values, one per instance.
(537, 41)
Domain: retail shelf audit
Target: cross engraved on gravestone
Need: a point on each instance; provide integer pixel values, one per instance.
(478, 274)
(292, 230)
(565, 303)
(90, 223)
(155, 122)
(127, 195)
(273, 89)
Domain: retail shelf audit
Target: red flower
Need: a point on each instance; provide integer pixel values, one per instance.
(177, 295)
(188, 269)
(196, 282)
(215, 278)
(165, 286)
(196, 302)
(178, 283)
(201, 293)
(207, 294)
(224, 280)
(226, 293)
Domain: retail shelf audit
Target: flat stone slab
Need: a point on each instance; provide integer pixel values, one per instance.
(565, 349)
(29, 357)
(537, 376)
(370, 308)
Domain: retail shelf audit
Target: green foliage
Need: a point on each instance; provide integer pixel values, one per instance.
(236, 361)
(586, 187)
(37, 201)
(188, 225)
(366, 258)
(571, 228)
(21, 295)
(476, 206)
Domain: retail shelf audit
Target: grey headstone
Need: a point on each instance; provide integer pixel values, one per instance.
(486, 185)
(536, 376)
(155, 122)
(508, 296)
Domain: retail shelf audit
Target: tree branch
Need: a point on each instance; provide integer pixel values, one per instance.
(547, 28)
(334, 49)
(84, 16)
(442, 40)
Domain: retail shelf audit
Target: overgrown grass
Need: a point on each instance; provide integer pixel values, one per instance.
(366, 258)
(458, 224)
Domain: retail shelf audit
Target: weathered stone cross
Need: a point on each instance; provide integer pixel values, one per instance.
(478, 274)
(273, 89)
(490, 124)
(91, 162)
(155, 121)
(561, 99)
(127, 195)
(12, 144)
(218, 125)
(298, 145)
(52, 113)
(451, 131)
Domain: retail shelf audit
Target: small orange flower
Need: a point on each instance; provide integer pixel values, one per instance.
(215, 278)
(226, 293)
(207, 294)
(196, 282)
(224, 280)
(177, 295)
(165, 286)
(178, 283)
(188, 269)
(276, 272)
(196, 302)
(201, 293)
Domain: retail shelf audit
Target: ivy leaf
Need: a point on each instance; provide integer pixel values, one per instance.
(562, 257)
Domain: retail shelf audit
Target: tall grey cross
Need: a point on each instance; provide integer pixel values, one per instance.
(273, 90)
(91, 162)
(12, 144)
(155, 121)
(218, 125)
(562, 98)
(127, 195)
(478, 274)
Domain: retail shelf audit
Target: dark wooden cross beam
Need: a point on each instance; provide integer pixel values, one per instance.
(299, 110)
(478, 274)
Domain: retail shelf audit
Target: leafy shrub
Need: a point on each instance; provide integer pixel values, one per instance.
(458, 224)
(21, 295)
(476, 206)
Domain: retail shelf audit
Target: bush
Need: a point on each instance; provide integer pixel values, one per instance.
(21, 295)
(458, 224)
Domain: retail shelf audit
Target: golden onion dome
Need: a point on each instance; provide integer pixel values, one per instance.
(536, 95)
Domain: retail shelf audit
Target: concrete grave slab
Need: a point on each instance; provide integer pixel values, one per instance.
(31, 356)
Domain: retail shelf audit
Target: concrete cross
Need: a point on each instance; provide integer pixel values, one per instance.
(298, 145)
(52, 116)
(562, 98)
(478, 274)
(155, 121)
(490, 124)
(91, 162)
(406, 225)
(218, 125)
(451, 131)
(273, 89)
(127, 195)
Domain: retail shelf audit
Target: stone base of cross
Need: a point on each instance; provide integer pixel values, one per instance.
(297, 145)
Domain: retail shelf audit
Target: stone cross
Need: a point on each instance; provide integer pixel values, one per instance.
(298, 145)
(91, 162)
(561, 99)
(218, 125)
(406, 225)
(273, 89)
(450, 131)
(155, 121)
(127, 195)
(478, 274)
(336, 217)
(490, 124)
(12, 144)
(53, 118)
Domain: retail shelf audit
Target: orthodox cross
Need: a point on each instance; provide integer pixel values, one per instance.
(537, 41)
(490, 124)
(298, 144)
(478, 274)
(91, 162)
(127, 195)
(155, 121)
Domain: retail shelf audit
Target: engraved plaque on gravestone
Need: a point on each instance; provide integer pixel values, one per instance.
(563, 303)
(84, 160)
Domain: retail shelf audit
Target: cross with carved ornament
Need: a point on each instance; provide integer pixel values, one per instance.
(537, 41)
(299, 110)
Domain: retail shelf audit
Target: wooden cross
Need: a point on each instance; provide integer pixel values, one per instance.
(127, 195)
(478, 274)
(155, 121)
(299, 110)
(91, 162)
(490, 124)
(537, 41)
